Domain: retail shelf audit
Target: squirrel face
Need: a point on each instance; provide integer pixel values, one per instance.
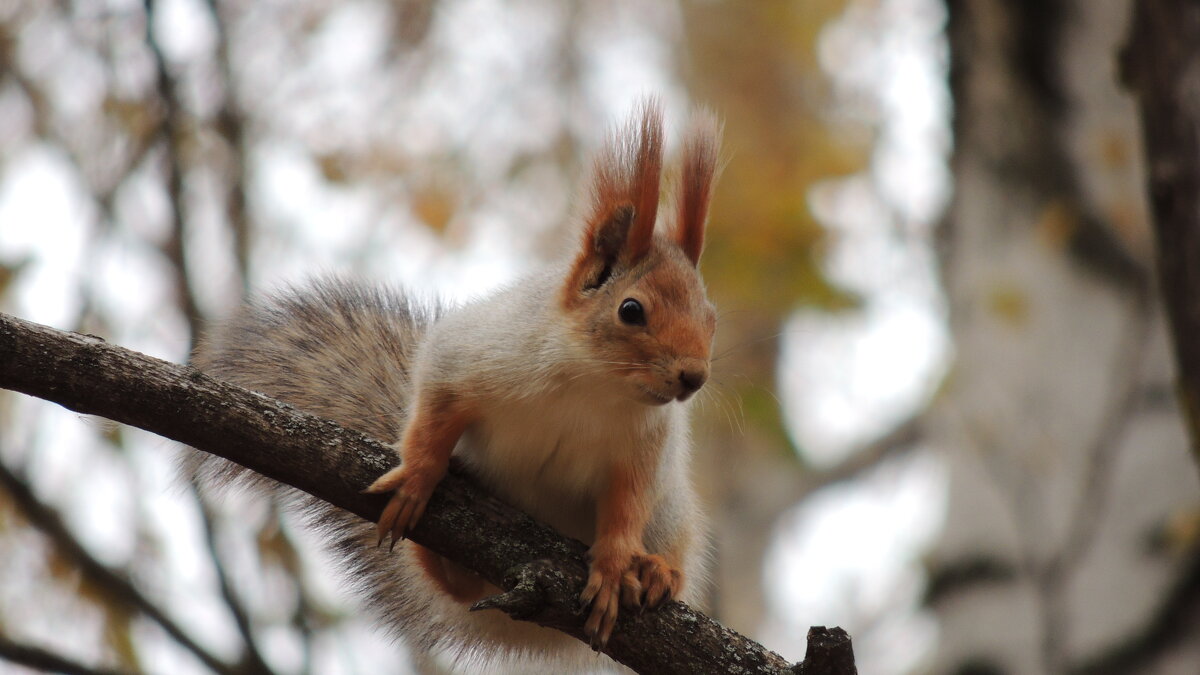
(635, 298)
(651, 327)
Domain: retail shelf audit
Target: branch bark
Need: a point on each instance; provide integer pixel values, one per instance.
(1161, 64)
(462, 522)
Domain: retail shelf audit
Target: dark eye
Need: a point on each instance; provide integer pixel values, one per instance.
(631, 312)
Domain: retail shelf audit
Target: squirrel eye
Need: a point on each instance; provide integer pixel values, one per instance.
(631, 312)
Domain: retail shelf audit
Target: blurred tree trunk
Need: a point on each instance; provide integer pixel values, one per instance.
(1066, 452)
(1163, 69)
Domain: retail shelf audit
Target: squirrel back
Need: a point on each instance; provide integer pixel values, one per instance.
(565, 393)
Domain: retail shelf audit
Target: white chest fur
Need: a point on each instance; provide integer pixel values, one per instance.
(550, 454)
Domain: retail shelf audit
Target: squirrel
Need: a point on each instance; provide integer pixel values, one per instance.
(565, 394)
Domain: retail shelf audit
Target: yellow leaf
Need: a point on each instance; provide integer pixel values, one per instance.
(1114, 150)
(1010, 304)
(334, 167)
(1057, 225)
(435, 206)
(137, 118)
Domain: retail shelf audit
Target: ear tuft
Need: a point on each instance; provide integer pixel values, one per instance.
(647, 174)
(627, 173)
(701, 149)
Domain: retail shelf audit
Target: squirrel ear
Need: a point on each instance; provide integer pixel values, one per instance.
(627, 173)
(624, 196)
(701, 147)
(602, 246)
(608, 238)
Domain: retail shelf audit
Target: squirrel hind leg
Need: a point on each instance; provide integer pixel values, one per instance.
(451, 578)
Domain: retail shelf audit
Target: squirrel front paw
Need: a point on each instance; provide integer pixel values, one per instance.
(412, 488)
(632, 580)
(659, 580)
(612, 581)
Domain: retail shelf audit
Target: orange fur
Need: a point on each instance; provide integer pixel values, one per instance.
(452, 579)
(438, 422)
(621, 516)
(660, 274)
(622, 511)
(690, 333)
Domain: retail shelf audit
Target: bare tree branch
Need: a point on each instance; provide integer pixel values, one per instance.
(230, 123)
(111, 581)
(1124, 397)
(463, 523)
(40, 659)
(241, 618)
(172, 136)
(1052, 576)
(1176, 619)
(894, 443)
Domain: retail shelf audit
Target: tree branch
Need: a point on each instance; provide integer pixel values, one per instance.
(252, 659)
(172, 131)
(230, 123)
(829, 652)
(901, 439)
(40, 659)
(462, 522)
(1172, 623)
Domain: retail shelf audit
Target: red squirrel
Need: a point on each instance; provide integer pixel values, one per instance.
(565, 393)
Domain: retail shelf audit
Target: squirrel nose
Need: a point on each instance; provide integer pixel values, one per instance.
(692, 379)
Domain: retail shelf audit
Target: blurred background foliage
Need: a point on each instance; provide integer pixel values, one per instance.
(161, 160)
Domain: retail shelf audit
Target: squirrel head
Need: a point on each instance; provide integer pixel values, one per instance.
(634, 296)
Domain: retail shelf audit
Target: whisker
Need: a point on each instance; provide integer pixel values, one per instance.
(711, 397)
(753, 384)
(745, 343)
(738, 415)
(724, 313)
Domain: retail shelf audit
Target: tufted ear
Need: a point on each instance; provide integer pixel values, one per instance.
(701, 147)
(624, 199)
(602, 248)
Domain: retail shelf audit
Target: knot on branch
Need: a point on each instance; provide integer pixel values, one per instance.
(829, 653)
(531, 589)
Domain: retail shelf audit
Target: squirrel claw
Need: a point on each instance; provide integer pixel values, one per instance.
(406, 506)
(599, 626)
(609, 586)
(659, 580)
(387, 520)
